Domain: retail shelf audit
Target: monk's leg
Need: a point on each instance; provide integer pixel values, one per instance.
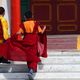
(32, 66)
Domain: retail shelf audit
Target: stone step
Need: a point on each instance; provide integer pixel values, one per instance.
(57, 76)
(61, 60)
(6, 68)
(58, 68)
(44, 79)
(40, 76)
(65, 52)
(62, 36)
(62, 46)
(62, 42)
(21, 68)
(61, 39)
(60, 79)
(15, 76)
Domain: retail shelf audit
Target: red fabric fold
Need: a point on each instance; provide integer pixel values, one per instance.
(43, 40)
(16, 50)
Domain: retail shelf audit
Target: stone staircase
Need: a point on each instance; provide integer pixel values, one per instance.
(62, 64)
(62, 42)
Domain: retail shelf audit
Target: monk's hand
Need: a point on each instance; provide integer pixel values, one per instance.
(44, 27)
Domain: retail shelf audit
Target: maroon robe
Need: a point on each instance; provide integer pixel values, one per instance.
(26, 49)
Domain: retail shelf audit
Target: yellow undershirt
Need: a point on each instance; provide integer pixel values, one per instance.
(29, 26)
(4, 27)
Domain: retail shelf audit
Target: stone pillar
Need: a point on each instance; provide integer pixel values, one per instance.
(15, 16)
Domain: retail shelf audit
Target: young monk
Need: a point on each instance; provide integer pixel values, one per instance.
(23, 46)
(3, 32)
(30, 28)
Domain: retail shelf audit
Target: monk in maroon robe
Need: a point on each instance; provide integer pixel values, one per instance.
(3, 33)
(23, 46)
